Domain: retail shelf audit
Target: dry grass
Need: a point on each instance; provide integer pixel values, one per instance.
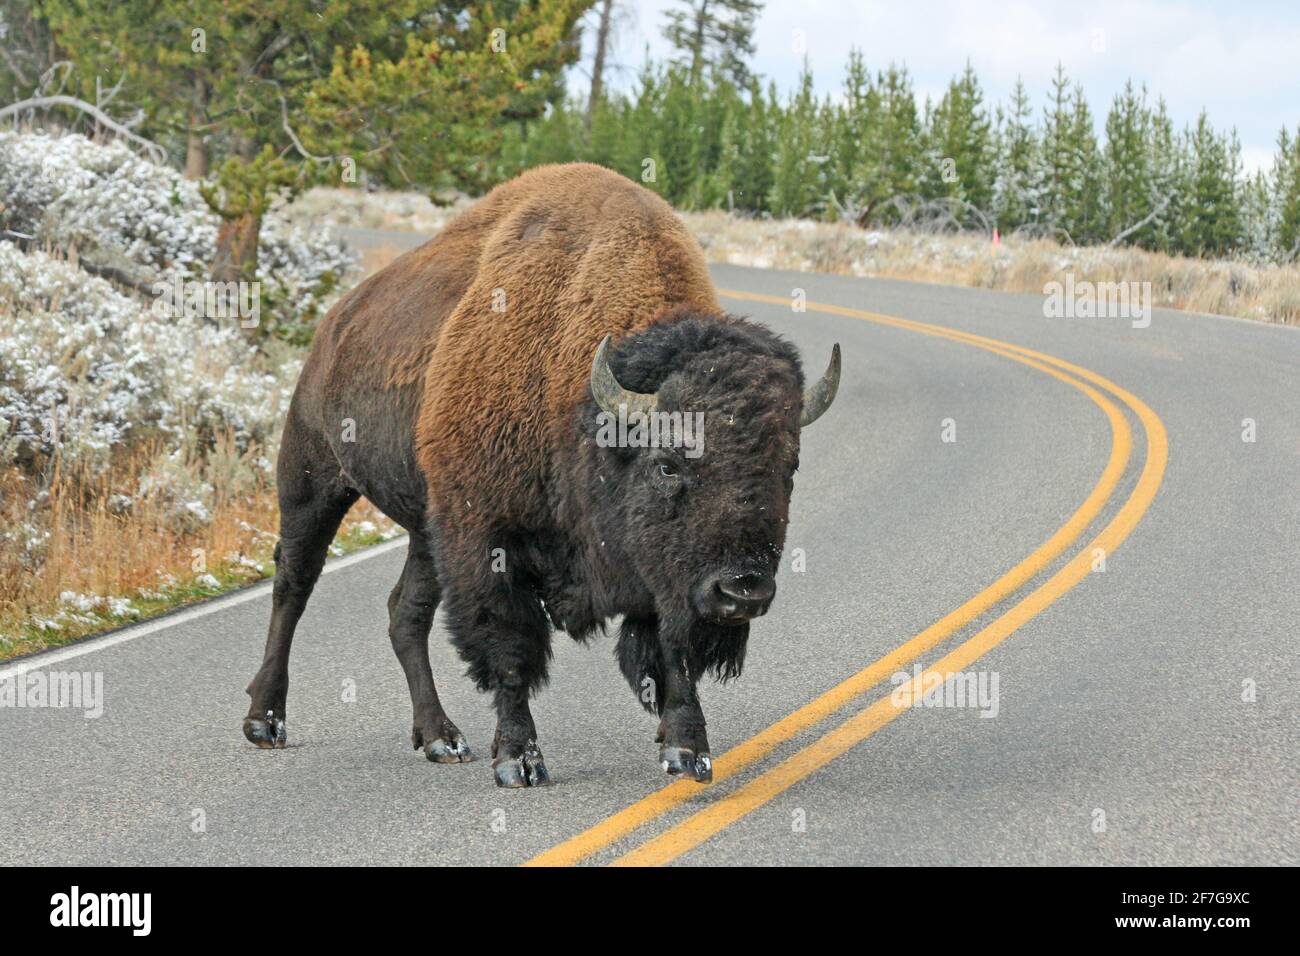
(92, 557)
(1269, 293)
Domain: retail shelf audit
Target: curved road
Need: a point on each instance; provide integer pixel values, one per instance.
(1140, 714)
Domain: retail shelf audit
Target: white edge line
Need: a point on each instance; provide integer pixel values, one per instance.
(211, 606)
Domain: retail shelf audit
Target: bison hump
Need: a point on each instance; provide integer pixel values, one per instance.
(569, 254)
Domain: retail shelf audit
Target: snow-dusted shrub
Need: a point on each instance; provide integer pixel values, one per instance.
(119, 211)
(113, 207)
(300, 274)
(87, 370)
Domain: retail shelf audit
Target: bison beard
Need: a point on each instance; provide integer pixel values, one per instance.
(475, 428)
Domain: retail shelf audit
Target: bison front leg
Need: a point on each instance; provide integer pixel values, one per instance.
(683, 743)
(516, 759)
(507, 654)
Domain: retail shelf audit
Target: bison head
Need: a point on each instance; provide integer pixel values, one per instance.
(699, 501)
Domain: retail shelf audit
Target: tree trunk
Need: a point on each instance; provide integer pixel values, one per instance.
(697, 43)
(598, 66)
(196, 151)
(236, 256)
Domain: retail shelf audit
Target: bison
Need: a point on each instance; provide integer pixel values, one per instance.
(463, 390)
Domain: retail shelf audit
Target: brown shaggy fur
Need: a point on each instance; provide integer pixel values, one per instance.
(554, 249)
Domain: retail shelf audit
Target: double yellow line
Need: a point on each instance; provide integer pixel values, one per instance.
(713, 817)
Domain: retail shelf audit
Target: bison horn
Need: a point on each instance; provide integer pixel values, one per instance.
(818, 398)
(609, 395)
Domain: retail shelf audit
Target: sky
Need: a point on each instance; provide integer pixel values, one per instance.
(1240, 60)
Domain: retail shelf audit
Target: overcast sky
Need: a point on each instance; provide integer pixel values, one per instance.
(1239, 60)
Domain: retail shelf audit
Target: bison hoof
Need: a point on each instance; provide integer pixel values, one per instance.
(679, 761)
(526, 770)
(267, 733)
(440, 751)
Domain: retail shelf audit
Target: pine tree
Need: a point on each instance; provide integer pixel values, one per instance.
(557, 138)
(1128, 168)
(408, 90)
(1214, 223)
(1286, 196)
(1086, 212)
(1055, 156)
(678, 141)
(724, 180)
(718, 105)
(1015, 191)
(795, 186)
(959, 147)
(145, 52)
(717, 34)
(605, 133)
(639, 152)
(851, 131)
(755, 175)
(713, 144)
(1168, 184)
(899, 141)
(1259, 237)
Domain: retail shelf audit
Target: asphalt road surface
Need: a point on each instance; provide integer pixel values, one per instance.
(1143, 714)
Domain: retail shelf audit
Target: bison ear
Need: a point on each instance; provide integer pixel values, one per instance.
(609, 395)
(818, 398)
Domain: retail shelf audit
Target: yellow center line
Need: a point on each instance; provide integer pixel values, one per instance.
(624, 822)
(703, 824)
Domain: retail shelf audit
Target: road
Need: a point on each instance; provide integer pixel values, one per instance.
(1145, 713)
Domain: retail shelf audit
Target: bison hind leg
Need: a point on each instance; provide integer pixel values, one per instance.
(410, 616)
(641, 661)
(313, 500)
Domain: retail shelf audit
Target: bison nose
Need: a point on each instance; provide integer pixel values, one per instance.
(735, 598)
(747, 588)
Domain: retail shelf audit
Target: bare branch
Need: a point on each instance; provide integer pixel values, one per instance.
(102, 98)
(1044, 230)
(273, 49)
(14, 68)
(41, 102)
(297, 143)
(45, 77)
(1139, 224)
(121, 277)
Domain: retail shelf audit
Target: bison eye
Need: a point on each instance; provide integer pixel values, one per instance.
(665, 477)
